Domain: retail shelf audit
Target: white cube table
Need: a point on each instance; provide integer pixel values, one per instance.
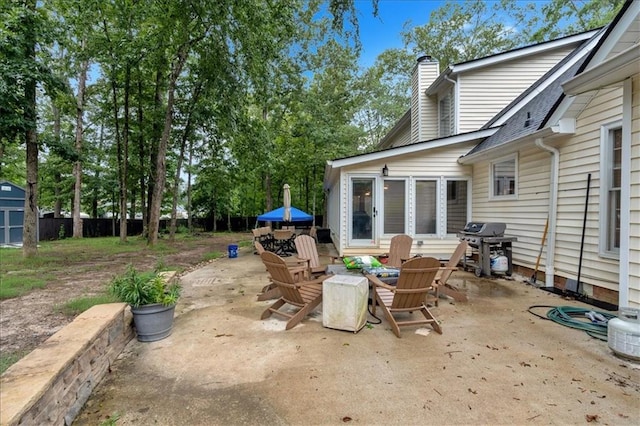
(344, 302)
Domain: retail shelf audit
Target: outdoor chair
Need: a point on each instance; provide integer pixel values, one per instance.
(305, 295)
(409, 294)
(299, 268)
(307, 250)
(283, 242)
(399, 250)
(440, 282)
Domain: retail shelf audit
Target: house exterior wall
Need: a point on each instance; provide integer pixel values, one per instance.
(634, 216)
(525, 215)
(402, 137)
(438, 164)
(486, 91)
(579, 156)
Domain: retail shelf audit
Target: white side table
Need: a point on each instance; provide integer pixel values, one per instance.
(344, 302)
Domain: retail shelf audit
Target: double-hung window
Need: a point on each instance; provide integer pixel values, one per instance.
(503, 179)
(610, 173)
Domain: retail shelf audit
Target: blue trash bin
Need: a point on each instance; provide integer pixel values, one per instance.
(233, 251)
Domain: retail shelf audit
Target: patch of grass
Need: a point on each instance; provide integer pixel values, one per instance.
(112, 420)
(245, 243)
(77, 306)
(15, 285)
(212, 255)
(8, 359)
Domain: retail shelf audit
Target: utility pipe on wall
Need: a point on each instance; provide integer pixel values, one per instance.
(553, 211)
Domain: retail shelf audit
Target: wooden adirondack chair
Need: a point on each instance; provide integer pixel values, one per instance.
(299, 268)
(305, 295)
(399, 250)
(409, 294)
(307, 250)
(440, 282)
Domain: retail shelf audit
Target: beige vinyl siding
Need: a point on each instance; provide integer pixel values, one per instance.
(432, 164)
(334, 211)
(579, 156)
(485, 92)
(402, 137)
(424, 110)
(525, 216)
(634, 217)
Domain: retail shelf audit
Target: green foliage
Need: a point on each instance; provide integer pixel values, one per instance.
(136, 288)
(112, 420)
(212, 255)
(77, 306)
(7, 359)
(15, 285)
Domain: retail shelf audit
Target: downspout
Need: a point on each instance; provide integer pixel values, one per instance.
(553, 211)
(455, 103)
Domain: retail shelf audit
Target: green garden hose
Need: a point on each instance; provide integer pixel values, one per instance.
(573, 317)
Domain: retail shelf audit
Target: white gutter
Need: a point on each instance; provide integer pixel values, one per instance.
(553, 211)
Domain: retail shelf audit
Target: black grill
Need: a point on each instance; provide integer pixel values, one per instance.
(487, 239)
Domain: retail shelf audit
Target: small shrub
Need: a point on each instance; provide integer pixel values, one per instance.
(146, 288)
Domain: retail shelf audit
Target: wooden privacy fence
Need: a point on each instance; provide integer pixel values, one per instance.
(59, 228)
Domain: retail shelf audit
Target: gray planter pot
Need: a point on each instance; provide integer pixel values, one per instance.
(153, 322)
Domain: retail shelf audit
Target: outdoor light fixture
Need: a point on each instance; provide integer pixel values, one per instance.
(385, 171)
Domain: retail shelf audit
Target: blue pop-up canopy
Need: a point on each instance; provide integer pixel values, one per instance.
(277, 215)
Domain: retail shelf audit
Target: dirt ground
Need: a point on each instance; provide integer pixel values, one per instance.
(27, 321)
(495, 363)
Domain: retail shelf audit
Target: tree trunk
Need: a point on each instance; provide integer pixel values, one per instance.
(141, 154)
(183, 146)
(189, 221)
(30, 229)
(124, 161)
(77, 166)
(57, 177)
(156, 136)
(161, 166)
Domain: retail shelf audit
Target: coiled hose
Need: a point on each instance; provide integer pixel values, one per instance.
(567, 316)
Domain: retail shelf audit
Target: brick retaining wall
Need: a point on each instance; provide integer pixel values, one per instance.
(51, 384)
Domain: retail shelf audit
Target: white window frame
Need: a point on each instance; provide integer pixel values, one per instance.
(407, 225)
(445, 210)
(605, 188)
(492, 195)
(414, 186)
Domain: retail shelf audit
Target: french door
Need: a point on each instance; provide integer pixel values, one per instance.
(362, 212)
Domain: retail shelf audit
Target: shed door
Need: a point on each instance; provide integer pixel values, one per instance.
(362, 212)
(11, 224)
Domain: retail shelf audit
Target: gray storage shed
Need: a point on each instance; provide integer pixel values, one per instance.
(11, 213)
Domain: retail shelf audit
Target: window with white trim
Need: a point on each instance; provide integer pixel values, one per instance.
(426, 199)
(611, 176)
(456, 205)
(394, 207)
(504, 174)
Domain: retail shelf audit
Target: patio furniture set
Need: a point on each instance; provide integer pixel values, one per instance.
(415, 287)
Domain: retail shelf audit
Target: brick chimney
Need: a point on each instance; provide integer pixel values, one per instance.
(424, 110)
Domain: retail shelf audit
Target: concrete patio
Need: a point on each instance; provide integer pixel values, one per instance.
(495, 363)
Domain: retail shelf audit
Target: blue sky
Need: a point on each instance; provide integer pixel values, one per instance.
(383, 32)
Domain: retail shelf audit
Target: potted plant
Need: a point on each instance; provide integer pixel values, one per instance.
(152, 300)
